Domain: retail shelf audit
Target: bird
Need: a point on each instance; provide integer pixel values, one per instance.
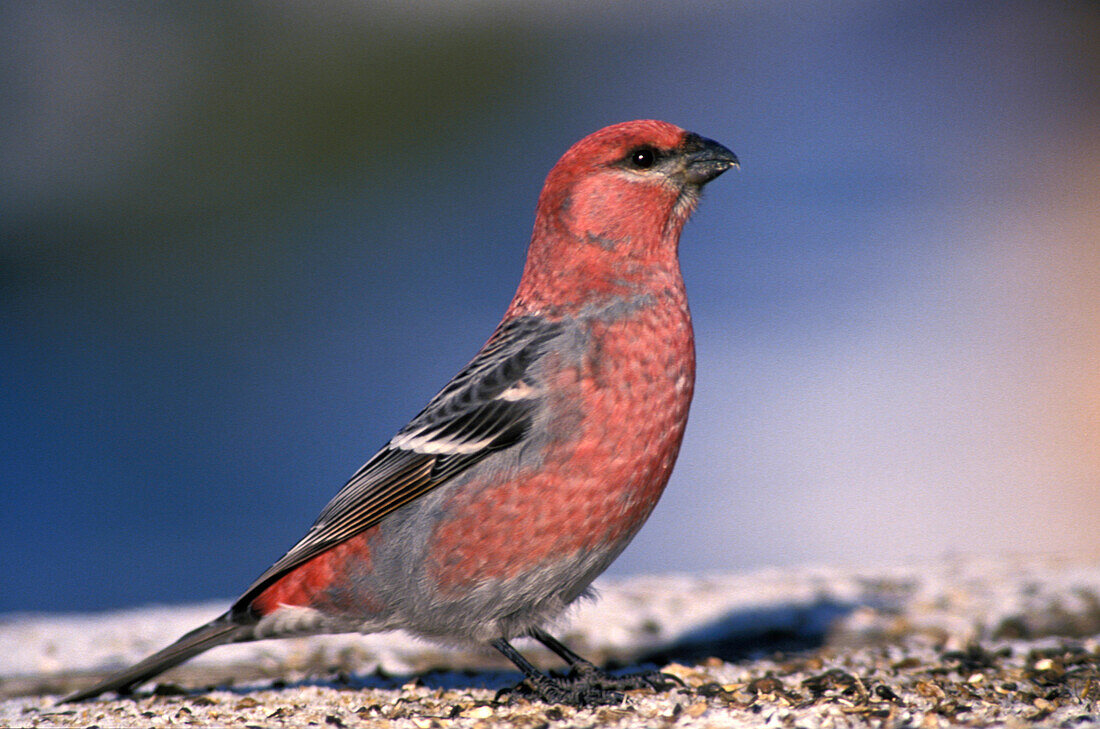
(496, 506)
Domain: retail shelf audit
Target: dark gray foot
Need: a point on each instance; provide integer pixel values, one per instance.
(655, 680)
(561, 690)
(584, 685)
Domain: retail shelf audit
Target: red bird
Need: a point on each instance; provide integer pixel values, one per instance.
(531, 470)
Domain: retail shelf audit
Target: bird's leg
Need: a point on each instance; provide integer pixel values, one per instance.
(587, 672)
(574, 660)
(553, 689)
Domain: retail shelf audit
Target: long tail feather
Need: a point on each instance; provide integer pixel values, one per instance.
(214, 633)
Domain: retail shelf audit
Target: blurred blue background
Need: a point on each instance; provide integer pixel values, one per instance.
(241, 244)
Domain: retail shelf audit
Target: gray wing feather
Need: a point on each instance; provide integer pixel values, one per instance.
(486, 407)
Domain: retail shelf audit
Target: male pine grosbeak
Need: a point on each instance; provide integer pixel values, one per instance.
(531, 470)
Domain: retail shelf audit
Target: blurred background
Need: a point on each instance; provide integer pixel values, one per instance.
(241, 244)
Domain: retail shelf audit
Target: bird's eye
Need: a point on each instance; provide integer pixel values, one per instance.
(642, 158)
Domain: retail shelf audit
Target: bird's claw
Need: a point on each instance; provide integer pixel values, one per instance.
(561, 690)
(625, 682)
(586, 685)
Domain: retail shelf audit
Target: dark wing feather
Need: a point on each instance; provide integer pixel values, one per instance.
(486, 407)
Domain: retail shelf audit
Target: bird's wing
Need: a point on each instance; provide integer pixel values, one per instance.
(486, 407)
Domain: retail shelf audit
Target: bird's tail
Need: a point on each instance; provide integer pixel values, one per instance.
(216, 632)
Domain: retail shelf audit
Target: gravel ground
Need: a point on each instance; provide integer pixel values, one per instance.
(975, 642)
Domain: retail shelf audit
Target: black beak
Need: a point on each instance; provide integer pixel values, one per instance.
(705, 159)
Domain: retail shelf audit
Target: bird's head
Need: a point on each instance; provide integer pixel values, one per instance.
(617, 200)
